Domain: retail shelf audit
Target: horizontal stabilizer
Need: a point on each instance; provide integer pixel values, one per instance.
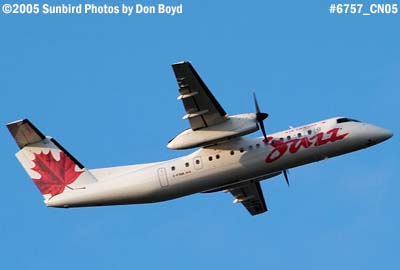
(24, 132)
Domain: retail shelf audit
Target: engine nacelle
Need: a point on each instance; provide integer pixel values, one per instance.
(234, 126)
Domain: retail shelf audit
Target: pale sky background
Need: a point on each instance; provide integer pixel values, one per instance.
(103, 86)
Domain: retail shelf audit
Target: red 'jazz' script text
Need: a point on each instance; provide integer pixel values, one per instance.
(294, 145)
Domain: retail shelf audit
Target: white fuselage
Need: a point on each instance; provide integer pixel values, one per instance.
(222, 165)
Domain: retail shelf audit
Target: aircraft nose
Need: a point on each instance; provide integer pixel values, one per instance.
(383, 134)
(379, 135)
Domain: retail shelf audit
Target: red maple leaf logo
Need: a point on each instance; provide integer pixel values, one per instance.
(55, 175)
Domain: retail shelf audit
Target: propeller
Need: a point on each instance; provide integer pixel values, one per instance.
(285, 173)
(260, 117)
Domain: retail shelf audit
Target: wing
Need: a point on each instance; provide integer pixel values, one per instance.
(202, 109)
(249, 193)
(251, 196)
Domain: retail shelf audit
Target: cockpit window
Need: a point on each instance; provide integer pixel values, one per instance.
(343, 120)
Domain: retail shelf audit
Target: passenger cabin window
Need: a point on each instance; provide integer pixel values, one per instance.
(288, 137)
(173, 168)
(217, 156)
(241, 150)
(344, 120)
(187, 164)
(197, 161)
(250, 147)
(257, 145)
(299, 135)
(309, 132)
(232, 152)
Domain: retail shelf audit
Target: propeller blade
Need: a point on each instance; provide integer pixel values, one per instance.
(260, 117)
(261, 123)
(256, 103)
(285, 173)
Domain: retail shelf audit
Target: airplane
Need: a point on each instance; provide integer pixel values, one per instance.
(224, 159)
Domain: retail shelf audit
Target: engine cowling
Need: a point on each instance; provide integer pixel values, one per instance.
(234, 126)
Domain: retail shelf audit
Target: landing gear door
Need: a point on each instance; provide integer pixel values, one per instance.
(198, 163)
(162, 177)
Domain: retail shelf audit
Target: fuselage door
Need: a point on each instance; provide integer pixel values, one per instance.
(162, 177)
(198, 164)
